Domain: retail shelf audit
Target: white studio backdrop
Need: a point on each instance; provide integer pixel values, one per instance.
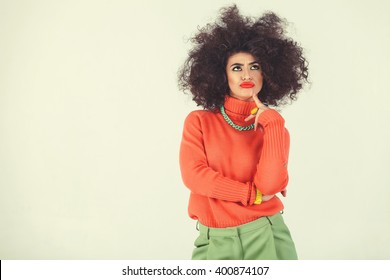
(91, 121)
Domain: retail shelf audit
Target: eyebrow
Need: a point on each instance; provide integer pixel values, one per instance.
(240, 64)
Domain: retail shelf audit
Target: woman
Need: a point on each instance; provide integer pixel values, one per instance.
(234, 153)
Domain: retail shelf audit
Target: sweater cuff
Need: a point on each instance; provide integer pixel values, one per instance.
(231, 190)
(270, 116)
(252, 194)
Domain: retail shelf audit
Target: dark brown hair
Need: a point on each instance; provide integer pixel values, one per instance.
(282, 62)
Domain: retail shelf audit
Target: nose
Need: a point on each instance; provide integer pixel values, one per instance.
(246, 75)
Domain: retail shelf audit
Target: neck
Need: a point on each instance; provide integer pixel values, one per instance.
(238, 106)
(248, 99)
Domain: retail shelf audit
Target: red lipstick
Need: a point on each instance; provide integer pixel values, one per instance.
(247, 85)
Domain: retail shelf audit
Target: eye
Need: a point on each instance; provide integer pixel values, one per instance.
(255, 67)
(236, 68)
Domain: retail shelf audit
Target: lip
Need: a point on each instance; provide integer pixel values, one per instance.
(247, 85)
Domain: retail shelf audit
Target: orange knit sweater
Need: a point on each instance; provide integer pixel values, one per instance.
(223, 166)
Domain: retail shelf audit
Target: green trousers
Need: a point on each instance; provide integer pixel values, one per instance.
(266, 238)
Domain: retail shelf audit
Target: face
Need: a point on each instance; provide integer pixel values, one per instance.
(244, 76)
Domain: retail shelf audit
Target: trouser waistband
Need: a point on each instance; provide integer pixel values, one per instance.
(241, 229)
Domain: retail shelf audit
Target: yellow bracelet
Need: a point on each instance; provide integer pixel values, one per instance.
(259, 197)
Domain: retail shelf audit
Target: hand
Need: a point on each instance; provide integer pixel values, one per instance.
(261, 108)
(261, 198)
(267, 197)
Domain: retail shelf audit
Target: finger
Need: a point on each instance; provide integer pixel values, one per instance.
(249, 117)
(257, 117)
(257, 100)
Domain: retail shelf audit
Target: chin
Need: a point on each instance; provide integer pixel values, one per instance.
(246, 97)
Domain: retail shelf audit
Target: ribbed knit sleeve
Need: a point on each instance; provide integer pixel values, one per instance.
(272, 176)
(199, 177)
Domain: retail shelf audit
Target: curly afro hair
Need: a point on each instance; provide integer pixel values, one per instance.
(283, 66)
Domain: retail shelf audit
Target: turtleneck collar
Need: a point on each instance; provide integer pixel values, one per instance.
(237, 106)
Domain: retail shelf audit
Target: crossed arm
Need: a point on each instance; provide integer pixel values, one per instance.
(271, 172)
